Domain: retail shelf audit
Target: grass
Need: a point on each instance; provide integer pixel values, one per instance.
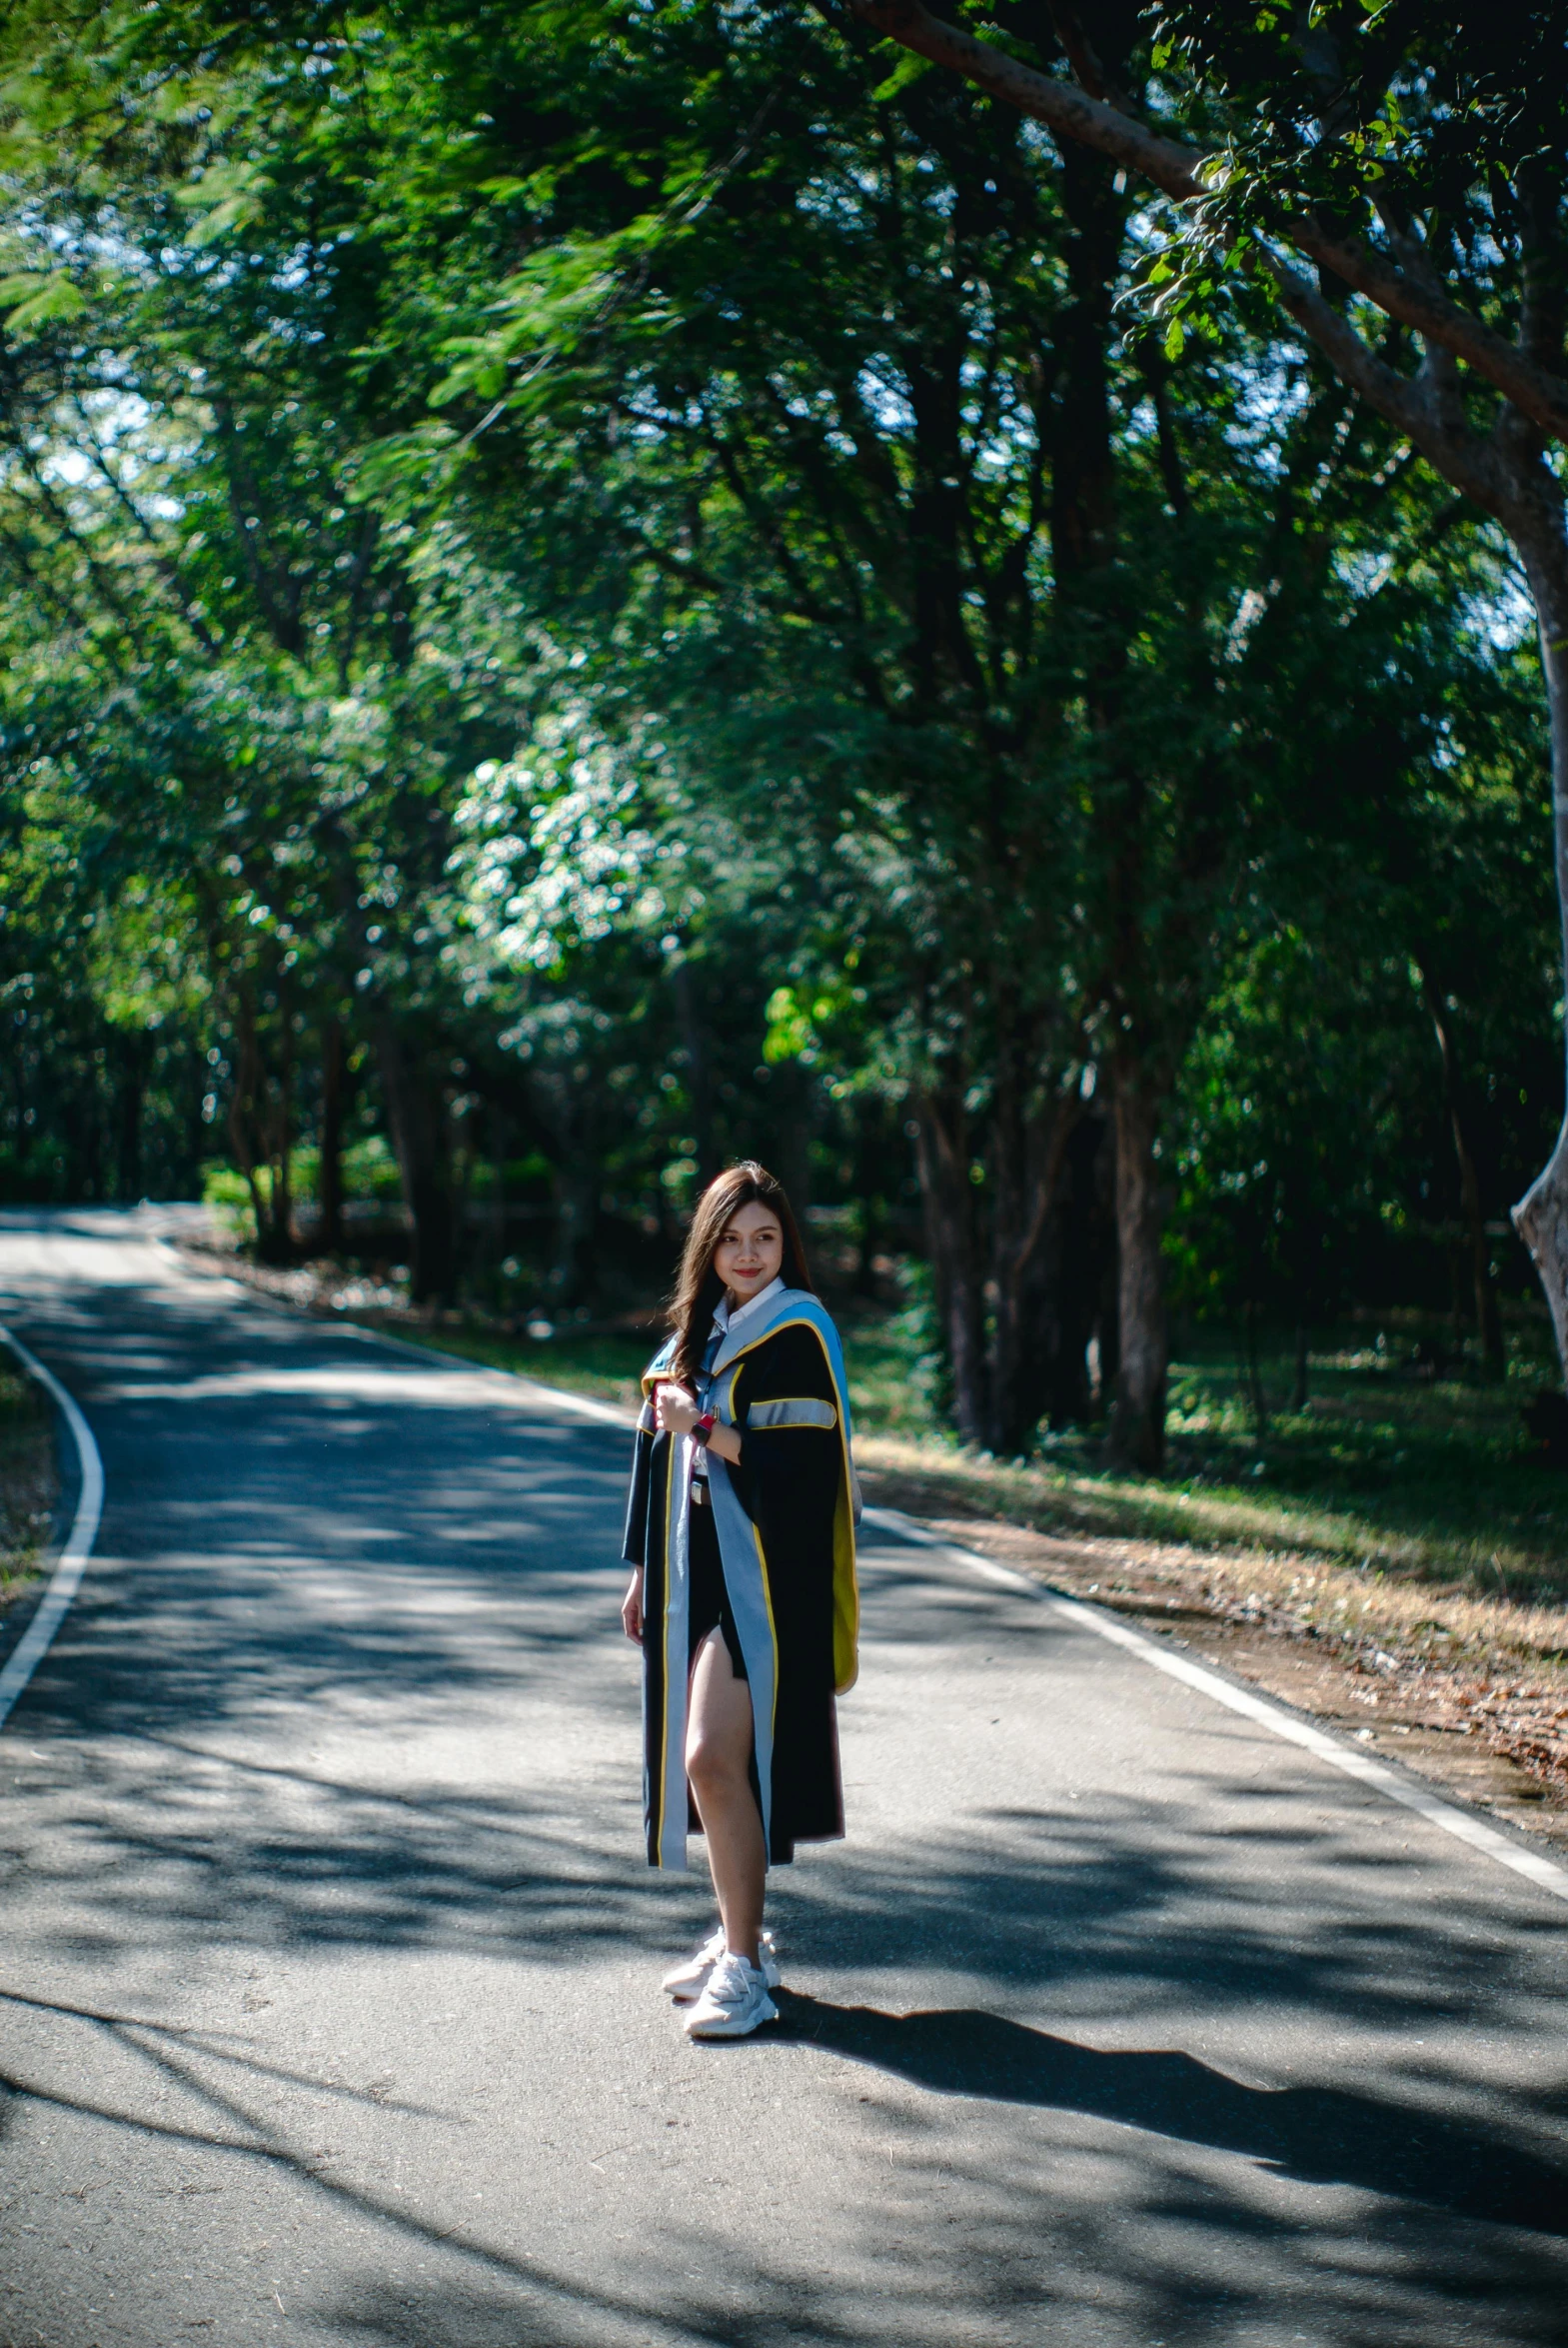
(28, 1483)
(887, 1389)
(1386, 1471)
(606, 1364)
(1400, 1521)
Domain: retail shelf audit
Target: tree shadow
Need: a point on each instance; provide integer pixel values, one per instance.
(328, 1555)
(1317, 2135)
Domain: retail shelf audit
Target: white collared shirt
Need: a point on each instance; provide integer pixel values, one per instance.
(725, 1320)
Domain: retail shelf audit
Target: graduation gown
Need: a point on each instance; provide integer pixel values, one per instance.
(785, 1519)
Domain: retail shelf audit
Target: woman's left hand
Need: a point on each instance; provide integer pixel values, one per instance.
(675, 1411)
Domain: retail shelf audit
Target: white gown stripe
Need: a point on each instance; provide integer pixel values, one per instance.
(678, 1600)
(793, 1410)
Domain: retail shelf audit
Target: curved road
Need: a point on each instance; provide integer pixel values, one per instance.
(330, 1966)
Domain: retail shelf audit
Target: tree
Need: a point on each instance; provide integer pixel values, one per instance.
(824, 665)
(1331, 1148)
(1418, 161)
(291, 686)
(861, 380)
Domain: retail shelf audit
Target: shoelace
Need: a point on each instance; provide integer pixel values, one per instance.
(731, 1980)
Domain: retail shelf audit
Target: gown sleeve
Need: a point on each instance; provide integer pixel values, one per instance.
(786, 1415)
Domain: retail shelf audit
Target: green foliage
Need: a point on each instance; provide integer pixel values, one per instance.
(631, 582)
(1374, 118)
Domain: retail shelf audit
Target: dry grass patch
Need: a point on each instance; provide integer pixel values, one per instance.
(1326, 1568)
(29, 1482)
(1380, 1647)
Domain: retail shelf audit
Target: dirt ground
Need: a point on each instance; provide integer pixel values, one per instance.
(1471, 1693)
(1496, 1736)
(29, 1488)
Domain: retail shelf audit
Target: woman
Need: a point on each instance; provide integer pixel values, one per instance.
(741, 1536)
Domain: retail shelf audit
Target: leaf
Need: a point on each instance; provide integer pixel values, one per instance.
(401, 459)
(228, 196)
(40, 300)
(483, 375)
(908, 69)
(1175, 340)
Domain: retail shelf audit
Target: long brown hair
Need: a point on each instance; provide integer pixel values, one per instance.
(698, 1287)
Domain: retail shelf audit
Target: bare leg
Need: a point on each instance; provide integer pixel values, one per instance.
(719, 1762)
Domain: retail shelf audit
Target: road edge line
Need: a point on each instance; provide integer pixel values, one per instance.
(585, 1405)
(71, 1563)
(1544, 1873)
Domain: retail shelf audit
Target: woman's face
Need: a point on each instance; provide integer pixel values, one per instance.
(750, 1252)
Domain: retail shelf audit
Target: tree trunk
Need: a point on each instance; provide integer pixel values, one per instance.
(576, 1206)
(1029, 1327)
(1006, 1206)
(1252, 1373)
(1541, 1216)
(433, 1272)
(794, 1109)
(698, 1074)
(1298, 1393)
(247, 1118)
(128, 1106)
(947, 1195)
(1078, 1271)
(1137, 1427)
(329, 1236)
(874, 1148)
(417, 1113)
(280, 1238)
(1487, 1317)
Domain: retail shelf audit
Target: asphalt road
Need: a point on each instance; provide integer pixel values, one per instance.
(330, 1965)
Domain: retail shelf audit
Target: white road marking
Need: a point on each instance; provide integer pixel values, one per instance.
(485, 1381)
(1545, 1874)
(1541, 1871)
(66, 1579)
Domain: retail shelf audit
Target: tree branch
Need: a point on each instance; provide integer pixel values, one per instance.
(1535, 393)
(1178, 170)
(1063, 108)
(1460, 460)
(164, 563)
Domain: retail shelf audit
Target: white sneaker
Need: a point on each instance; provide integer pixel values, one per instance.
(735, 2002)
(686, 1983)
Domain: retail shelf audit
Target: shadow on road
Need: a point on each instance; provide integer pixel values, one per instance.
(317, 1584)
(1321, 2136)
(686, 2285)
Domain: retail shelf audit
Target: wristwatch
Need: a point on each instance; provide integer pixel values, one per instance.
(703, 1429)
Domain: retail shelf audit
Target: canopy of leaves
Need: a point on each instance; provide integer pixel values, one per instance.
(646, 571)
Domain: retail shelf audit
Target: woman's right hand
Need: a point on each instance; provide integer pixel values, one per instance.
(675, 1410)
(631, 1607)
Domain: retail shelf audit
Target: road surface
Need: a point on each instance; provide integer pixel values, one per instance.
(330, 1965)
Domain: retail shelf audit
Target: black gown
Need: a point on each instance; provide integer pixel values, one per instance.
(783, 1518)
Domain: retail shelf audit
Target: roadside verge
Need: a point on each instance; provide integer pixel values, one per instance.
(1042, 1576)
(66, 1576)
